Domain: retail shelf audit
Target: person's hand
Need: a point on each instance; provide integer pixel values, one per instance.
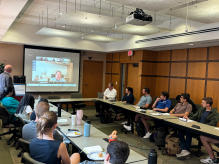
(172, 114)
(186, 117)
(158, 99)
(154, 109)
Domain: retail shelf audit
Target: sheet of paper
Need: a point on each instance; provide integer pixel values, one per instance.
(137, 107)
(149, 110)
(28, 109)
(216, 128)
(155, 114)
(186, 120)
(165, 114)
(62, 120)
(90, 149)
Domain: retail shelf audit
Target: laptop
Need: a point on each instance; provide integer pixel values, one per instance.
(100, 95)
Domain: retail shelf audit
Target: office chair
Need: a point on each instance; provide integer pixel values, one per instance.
(28, 160)
(77, 104)
(7, 119)
(25, 146)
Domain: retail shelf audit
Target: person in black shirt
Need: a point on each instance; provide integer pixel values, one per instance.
(128, 98)
(194, 109)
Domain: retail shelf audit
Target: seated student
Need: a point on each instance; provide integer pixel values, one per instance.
(194, 109)
(117, 153)
(25, 107)
(207, 144)
(162, 104)
(206, 115)
(110, 93)
(128, 98)
(145, 101)
(29, 131)
(33, 114)
(44, 148)
(9, 102)
(183, 108)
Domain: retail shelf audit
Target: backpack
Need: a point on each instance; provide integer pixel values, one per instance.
(159, 137)
(105, 117)
(139, 129)
(172, 146)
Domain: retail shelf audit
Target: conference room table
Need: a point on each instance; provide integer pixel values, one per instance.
(96, 137)
(205, 130)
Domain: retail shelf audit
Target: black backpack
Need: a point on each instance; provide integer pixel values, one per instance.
(105, 117)
(160, 136)
(139, 128)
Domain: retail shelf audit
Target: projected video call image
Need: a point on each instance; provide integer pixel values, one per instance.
(51, 69)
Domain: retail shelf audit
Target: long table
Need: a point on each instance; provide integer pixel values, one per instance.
(204, 130)
(96, 136)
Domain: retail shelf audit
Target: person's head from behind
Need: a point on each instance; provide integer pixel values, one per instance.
(184, 97)
(117, 153)
(145, 91)
(178, 98)
(207, 102)
(41, 108)
(129, 90)
(43, 100)
(28, 99)
(7, 92)
(58, 75)
(8, 68)
(164, 95)
(46, 124)
(110, 86)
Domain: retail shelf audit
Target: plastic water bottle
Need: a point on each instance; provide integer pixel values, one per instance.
(87, 129)
(39, 97)
(152, 157)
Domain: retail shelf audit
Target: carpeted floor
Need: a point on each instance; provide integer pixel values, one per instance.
(138, 143)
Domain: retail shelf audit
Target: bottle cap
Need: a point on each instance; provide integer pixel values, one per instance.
(88, 121)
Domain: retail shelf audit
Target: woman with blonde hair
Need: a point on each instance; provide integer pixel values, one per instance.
(45, 149)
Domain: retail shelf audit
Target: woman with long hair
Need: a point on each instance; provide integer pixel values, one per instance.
(25, 107)
(8, 101)
(44, 148)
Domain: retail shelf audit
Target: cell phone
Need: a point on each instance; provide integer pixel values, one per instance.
(143, 111)
(72, 130)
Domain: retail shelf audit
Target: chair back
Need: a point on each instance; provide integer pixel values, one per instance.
(21, 123)
(173, 102)
(25, 144)
(53, 97)
(134, 100)
(6, 115)
(76, 95)
(198, 106)
(29, 160)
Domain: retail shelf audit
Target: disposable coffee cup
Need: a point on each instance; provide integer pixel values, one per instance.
(73, 119)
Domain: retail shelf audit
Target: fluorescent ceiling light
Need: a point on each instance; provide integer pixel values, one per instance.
(191, 44)
(100, 38)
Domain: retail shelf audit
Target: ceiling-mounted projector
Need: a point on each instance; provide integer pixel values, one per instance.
(139, 18)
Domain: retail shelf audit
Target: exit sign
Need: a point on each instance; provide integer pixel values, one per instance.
(130, 53)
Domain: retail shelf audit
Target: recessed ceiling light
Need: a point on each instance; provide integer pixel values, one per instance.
(60, 13)
(191, 44)
(63, 26)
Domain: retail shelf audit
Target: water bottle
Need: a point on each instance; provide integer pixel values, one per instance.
(39, 97)
(152, 157)
(87, 129)
(59, 110)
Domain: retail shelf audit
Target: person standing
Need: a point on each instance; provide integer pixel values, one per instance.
(5, 79)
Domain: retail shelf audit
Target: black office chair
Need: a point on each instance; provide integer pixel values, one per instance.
(77, 104)
(7, 119)
(28, 160)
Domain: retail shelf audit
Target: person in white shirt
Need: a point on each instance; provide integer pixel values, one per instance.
(110, 93)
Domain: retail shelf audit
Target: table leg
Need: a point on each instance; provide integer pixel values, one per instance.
(67, 107)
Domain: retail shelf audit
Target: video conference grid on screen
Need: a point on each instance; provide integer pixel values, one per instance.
(47, 70)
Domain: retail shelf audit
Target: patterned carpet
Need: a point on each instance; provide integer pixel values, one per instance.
(136, 141)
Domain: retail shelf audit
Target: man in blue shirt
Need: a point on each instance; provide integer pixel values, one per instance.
(145, 101)
(58, 77)
(162, 104)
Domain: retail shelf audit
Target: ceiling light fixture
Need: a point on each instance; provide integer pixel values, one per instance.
(59, 13)
(191, 44)
(63, 26)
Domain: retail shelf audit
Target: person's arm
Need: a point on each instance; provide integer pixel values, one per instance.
(105, 92)
(181, 115)
(146, 105)
(214, 119)
(172, 111)
(9, 82)
(62, 152)
(155, 103)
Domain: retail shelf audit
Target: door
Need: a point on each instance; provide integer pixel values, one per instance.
(92, 79)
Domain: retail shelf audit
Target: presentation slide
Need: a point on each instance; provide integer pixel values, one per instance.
(51, 71)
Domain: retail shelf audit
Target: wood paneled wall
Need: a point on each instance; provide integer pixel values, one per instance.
(194, 71)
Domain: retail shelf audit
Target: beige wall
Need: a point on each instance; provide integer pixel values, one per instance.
(13, 54)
